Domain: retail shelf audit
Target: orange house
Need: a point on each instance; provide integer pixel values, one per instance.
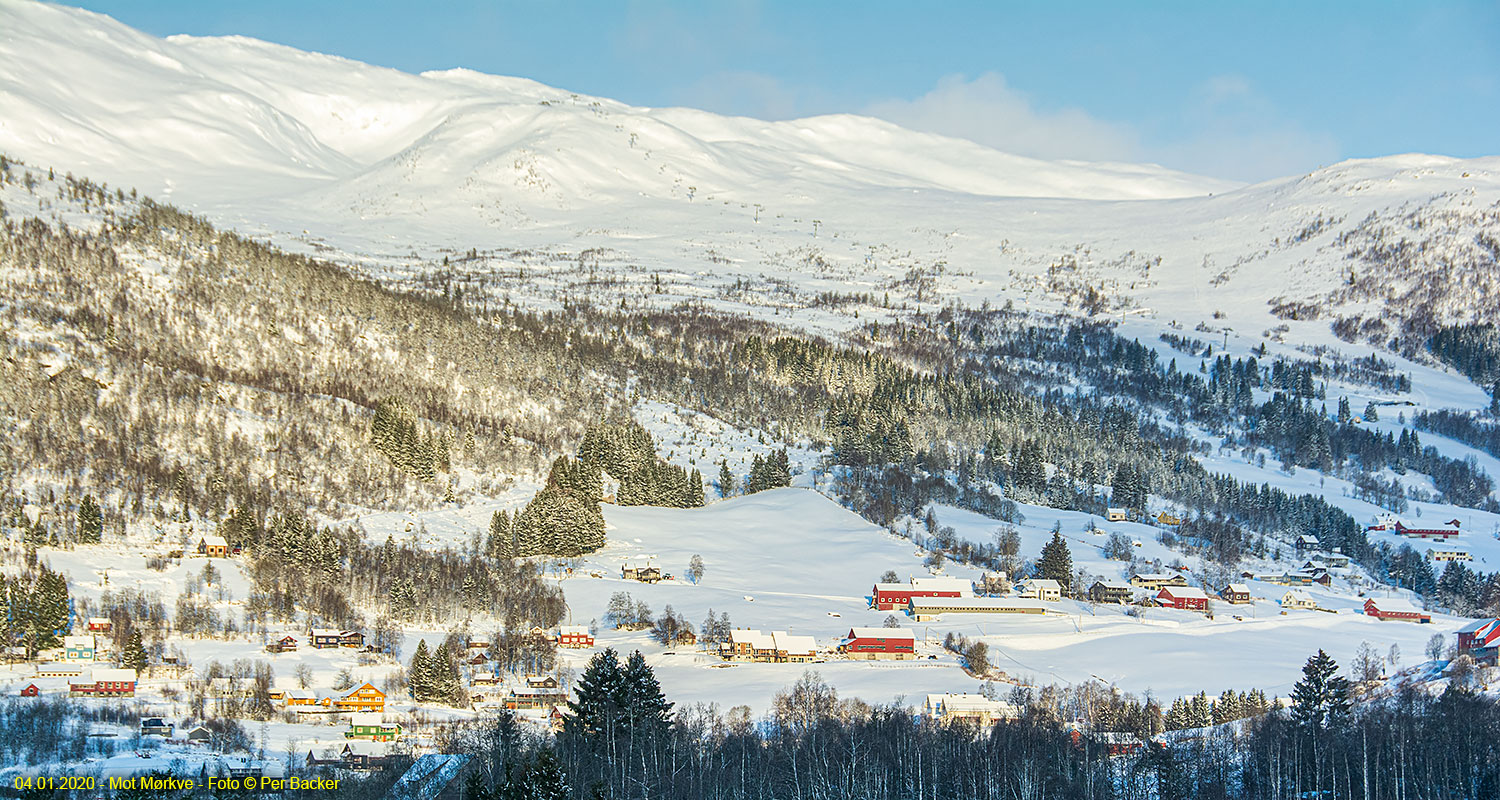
(361, 698)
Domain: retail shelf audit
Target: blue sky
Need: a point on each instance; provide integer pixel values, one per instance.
(1246, 91)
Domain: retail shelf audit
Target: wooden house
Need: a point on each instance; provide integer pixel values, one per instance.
(351, 639)
(1115, 514)
(299, 698)
(30, 690)
(1156, 580)
(1307, 543)
(213, 547)
(363, 755)
(923, 609)
(541, 682)
(1297, 599)
(1236, 593)
(527, 698)
(1480, 639)
(199, 735)
(1440, 531)
(1165, 518)
(99, 625)
(645, 574)
(1111, 592)
(364, 697)
(1043, 589)
(285, 644)
(1448, 554)
(574, 637)
(372, 726)
(103, 683)
(1188, 598)
(78, 648)
(972, 708)
(326, 637)
(156, 726)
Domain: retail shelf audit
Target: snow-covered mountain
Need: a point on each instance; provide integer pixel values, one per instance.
(396, 170)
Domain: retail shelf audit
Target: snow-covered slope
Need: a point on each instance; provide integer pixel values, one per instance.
(396, 170)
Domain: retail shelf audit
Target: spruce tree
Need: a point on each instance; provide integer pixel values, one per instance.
(134, 656)
(419, 675)
(640, 695)
(1322, 695)
(596, 707)
(1371, 415)
(90, 521)
(50, 609)
(726, 479)
(500, 545)
(1056, 562)
(545, 779)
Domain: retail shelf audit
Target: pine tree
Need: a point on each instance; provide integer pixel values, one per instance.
(726, 479)
(90, 521)
(757, 481)
(1056, 562)
(1344, 415)
(1371, 415)
(134, 656)
(419, 675)
(596, 707)
(640, 695)
(1322, 695)
(695, 490)
(545, 779)
(50, 610)
(500, 545)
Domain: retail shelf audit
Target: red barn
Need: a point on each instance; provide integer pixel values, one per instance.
(30, 690)
(1481, 639)
(1444, 531)
(1189, 598)
(876, 644)
(888, 596)
(1392, 608)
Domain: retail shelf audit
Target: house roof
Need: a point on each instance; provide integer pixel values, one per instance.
(882, 633)
(371, 749)
(973, 603)
(801, 645)
(950, 703)
(214, 541)
(1478, 625)
(1296, 596)
(326, 632)
(756, 639)
(1042, 583)
(1120, 585)
(1394, 604)
(78, 641)
(1157, 576)
(1237, 588)
(943, 584)
(573, 630)
(367, 719)
(301, 694)
(1189, 592)
(112, 675)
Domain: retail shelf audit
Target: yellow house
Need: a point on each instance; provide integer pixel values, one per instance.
(1168, 519)
(361, 698)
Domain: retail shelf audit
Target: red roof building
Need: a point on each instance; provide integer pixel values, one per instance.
(1391, 608)
(877, 644)
(1444, 531)
(30, 690)
(1189, 598)
(888, 596)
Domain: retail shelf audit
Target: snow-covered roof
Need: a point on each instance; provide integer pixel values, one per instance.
(326, 632)
(361, 747)
(943, 584)
(112, 675)
(951, 703)
(215, 541)
(1116, 510)
(1296, 596)
(1238, 588)
(795, 645)
(1395, 604)
(99, 620)
(573, 630)
(1042, 583)
(301, 694)
(1478, 625)
(883, 633)
(1157, 576)
(78, 641)
(1115, 585)
(1191, 592)
(367, 719)
(752, 637)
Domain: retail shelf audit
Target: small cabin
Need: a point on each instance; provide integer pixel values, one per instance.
(213, 547)
(285, 644)
(1236, 593)
(1117, 514)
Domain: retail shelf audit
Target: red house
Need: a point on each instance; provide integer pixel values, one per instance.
(574, 636)
(1445, 531)
(99, 625)
(103, 683)
(879, 644)
(30, 690)
(1189, 598)
(888, 596)
(1481, 639)
(1391, 608)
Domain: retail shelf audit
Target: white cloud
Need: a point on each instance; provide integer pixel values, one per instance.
(1225, 128)
(989, 111)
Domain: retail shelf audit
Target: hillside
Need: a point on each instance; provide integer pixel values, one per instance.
(404, 174)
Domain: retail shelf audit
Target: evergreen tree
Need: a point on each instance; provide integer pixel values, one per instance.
(499, 545)
(596, 706)
(726, 479)
(640, 695)
(545, 779)
(134, 655)
(51, 612)
(419, 674)
(1322, 695)
(1371, 415)
(757, 481)
(1344, 415)
(90, 521)
(1056, 562)
(694, 490)
(1495, 400)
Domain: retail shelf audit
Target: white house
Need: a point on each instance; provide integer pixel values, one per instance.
(1044, 589)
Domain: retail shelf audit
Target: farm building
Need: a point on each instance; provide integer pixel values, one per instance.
(928, 608)
(59, 670)
(99, 625)
(879, 644)
(1111, 592)
(1156, 580)
(968, 708)
(1480, 639)
(775, 647)
(1043, 589)
(1448, 554)
(888, 596)
(1394, 608)
(1114, 514)
(1189, 598)
(213, 547)
(645, 574)
(574, 637)
(31, 690)
(1236, 593)
(293, 698)
(541, 682)
(1441, 531)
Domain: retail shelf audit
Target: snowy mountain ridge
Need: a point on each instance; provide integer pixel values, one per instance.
(396, 171)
